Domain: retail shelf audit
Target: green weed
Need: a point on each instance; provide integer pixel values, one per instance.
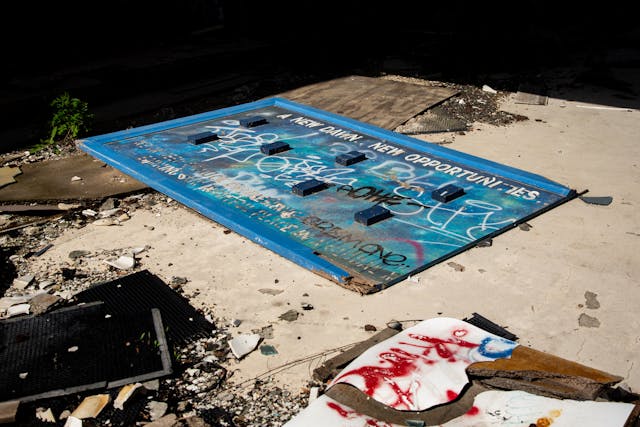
(71, 117)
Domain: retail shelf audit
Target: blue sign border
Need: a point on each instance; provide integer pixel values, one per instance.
(278, 242)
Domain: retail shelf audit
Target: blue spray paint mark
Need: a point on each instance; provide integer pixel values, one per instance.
(496, 348)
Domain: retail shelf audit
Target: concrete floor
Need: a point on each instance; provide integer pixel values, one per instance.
(534, 282)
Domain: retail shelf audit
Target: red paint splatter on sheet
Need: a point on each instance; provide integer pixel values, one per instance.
(351, 414)
(399, 363)
(473, 411)
(442, 346)
(339, 409)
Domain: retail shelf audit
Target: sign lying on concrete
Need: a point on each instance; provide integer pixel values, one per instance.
(363, 206)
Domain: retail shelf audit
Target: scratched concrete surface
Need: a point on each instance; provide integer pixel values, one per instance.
(532, 281)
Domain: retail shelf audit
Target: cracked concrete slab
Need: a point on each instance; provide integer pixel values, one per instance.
(53, 180)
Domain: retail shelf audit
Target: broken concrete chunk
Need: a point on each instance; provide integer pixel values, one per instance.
(6, 302)
(105, 222)
(525, 226)
(109, 213)
(23, 281)
(7, 174)
(456, 266)
(8, 411)
(73, 422)
(68, 206)
(601, 201)
(168, 420)
(109, 204)
(289, 316)
(195, 421)
(157, 409)
(16, 310)
(91, 406)
(41, 303)
(265, 332)
(45, 415)
(139, 249)
(78, 254)
(45, 284)
(75, 178)
(89, 212)
(153, 385)
(244, 344)
(122, 263)
(488, 89)
(394, 324)
(269, 291)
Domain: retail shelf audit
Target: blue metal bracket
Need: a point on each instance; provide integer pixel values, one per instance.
(447, 193)
(251, 122)
(274, 148)
(202, 137)
(350, 158)
(372, 215)
(308, 187)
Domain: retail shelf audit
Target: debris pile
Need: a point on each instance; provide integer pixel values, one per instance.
(97, 339)
(448, 372)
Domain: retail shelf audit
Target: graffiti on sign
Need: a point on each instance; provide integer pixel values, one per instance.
(229, 178)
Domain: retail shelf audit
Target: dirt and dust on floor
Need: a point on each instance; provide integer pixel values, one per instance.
(121, 306)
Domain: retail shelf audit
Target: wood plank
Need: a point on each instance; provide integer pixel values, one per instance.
(380, 102)
(541, 373)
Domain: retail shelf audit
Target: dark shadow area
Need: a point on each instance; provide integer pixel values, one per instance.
(143, 62)
(7, 268)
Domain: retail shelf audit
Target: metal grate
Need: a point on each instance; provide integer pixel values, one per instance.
(79, 348)
(143, 291)
(486, 324)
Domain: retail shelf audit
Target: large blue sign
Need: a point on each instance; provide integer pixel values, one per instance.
(361, 205)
